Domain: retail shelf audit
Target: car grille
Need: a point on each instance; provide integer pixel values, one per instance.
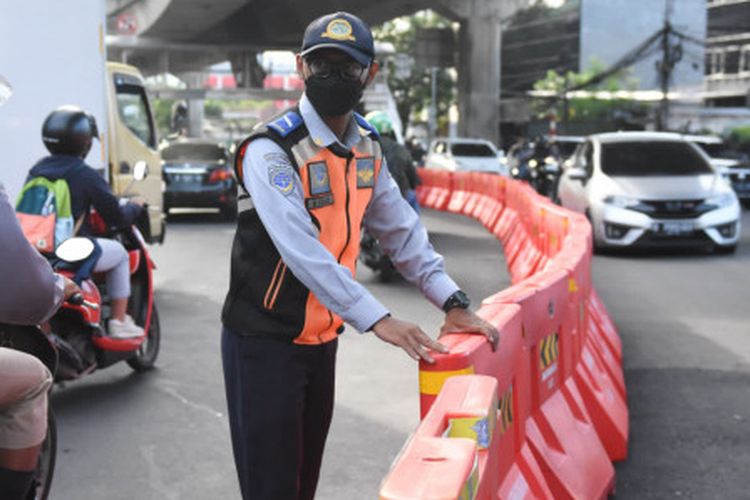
(673, 209)
(650, 239)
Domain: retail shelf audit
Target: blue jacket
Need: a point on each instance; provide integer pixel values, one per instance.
(87, 189)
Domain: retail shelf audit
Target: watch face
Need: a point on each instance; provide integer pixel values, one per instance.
(458, 299)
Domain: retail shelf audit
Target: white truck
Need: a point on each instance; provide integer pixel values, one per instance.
(53, 53)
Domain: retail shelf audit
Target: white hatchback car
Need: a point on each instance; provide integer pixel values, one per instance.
(650, 189)
(465, 155)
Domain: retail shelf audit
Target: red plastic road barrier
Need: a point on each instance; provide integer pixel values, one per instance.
(605, 405)
(553, 415)
(432, 468)
(513, 465)
(436, 186)
(460, 193)
(560, 431)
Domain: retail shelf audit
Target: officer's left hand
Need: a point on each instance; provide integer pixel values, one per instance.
(464, 320)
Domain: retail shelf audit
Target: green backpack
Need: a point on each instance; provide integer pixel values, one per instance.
(44, 213)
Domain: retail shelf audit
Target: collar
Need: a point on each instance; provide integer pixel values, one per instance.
(321, 135)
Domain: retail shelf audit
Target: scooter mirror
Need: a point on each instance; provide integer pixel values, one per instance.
(75, 249)
(140, 170)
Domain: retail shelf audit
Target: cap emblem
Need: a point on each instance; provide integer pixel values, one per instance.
(339, 29)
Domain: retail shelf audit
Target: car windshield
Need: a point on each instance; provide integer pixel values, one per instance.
(200, 152)
(472, 149)
(714, 149)
(651, 159)
(567, 148)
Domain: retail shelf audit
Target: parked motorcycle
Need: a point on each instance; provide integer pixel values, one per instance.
(32, 340)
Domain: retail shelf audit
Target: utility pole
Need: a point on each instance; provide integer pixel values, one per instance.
(665, 68)
(433, 103)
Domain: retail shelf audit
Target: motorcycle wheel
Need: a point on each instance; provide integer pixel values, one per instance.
(47, 457)
(145, 357)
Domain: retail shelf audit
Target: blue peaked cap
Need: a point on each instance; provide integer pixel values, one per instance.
(342, 31)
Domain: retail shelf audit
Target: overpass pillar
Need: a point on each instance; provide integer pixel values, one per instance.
(196, 107)
(479, 72)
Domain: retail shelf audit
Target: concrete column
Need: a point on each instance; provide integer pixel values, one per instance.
(479, 72)
(196, 107)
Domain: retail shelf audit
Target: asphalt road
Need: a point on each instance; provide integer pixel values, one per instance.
(684, 319)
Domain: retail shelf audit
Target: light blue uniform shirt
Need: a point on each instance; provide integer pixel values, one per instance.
(389, 218)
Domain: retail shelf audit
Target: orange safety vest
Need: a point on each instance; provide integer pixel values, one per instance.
(265, 298)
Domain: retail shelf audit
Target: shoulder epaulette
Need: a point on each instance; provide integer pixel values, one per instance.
(366, 125)
(286, 123)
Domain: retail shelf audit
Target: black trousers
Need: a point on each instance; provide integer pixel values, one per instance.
(280, 400)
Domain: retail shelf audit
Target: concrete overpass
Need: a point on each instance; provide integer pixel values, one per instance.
(186, 35)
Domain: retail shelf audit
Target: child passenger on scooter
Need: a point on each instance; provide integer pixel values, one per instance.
(68, 133)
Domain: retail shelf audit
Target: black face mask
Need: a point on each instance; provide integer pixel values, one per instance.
(333, 96)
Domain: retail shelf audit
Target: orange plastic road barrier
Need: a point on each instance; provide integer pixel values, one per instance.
(515, 469)
(494, 196)
(460, 194)
(554, 412)
(504, 225)
(560, 431)
(438, 184)
(606, 406)
(556, 224)
(606, 326)
(433, 468)
(474, 188)
(526, 263)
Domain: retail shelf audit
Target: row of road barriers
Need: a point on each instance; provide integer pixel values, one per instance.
(546, 414)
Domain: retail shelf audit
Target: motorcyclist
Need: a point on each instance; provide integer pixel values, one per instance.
(29, 294)
(397, 156)
(68, 133)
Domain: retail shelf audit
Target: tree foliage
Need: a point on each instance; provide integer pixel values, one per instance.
(413, 94)
(588, 108)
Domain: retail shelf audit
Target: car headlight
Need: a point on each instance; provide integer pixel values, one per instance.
(533, 163)
(621, 201)
(722, 200)
(514, 171)
(550, 160)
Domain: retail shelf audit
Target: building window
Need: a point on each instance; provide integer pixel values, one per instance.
(718, 61)
(745, 60)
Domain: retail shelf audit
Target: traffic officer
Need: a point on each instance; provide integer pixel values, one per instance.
(309, 180)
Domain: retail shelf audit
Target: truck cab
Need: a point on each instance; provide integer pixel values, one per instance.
(133, 138)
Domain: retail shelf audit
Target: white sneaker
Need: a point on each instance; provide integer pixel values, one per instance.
(126, 329)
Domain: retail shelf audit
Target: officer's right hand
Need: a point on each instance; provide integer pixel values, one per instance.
(407, 336)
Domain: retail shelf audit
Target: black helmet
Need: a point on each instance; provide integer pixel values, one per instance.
(69, 130)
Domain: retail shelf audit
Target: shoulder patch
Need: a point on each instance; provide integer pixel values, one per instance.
(286, 124)
(365, 125)
(282, 178)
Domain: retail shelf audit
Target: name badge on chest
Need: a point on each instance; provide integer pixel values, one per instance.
(320, 186)
(365, 172)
